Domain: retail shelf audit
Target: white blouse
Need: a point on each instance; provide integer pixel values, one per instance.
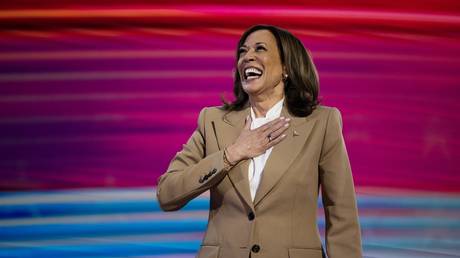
(257, 164)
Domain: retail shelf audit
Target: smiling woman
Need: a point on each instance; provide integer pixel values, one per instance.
(260, 65)
(264, 158)
(292, 71)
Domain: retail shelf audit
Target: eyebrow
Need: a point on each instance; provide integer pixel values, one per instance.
(257, 43)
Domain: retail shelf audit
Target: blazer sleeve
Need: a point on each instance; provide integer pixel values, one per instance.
(343, 234)
(191, 171)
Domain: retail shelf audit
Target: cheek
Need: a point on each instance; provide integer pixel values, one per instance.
(238, 65)
(273, 72)
(239, 62)
(272, 63)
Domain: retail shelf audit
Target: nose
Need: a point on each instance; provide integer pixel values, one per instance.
(248, 56)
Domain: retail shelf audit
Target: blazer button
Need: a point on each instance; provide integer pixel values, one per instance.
(251, 215)
(255, 248)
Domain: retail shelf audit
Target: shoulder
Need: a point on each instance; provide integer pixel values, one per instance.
(331, 117)
(325, 112)
(328, 115)
(212, 112)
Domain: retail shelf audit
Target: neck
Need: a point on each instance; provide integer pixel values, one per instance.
(262, 105)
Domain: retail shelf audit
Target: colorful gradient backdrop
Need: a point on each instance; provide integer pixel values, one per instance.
(96, 97)
(103, 95)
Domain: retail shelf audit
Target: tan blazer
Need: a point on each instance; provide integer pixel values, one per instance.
(281, 222)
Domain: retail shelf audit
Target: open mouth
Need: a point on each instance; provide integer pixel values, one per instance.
(252, 73)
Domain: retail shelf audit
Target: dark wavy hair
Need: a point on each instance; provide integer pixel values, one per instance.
(301, 88)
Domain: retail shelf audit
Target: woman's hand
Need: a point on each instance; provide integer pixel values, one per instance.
(252, 143)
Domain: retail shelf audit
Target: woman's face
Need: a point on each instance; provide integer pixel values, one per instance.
(259, 64)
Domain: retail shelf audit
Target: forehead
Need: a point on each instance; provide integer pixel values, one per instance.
(260, 36)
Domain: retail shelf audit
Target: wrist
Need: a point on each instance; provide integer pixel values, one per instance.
(232, 155)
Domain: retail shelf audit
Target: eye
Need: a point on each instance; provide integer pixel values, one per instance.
(261, 48)
(241, 51)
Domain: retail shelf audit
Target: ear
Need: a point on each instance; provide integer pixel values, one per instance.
(285, 74)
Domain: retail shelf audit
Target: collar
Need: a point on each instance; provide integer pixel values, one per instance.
(272, 113)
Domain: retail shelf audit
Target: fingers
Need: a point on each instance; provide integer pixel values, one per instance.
(256, 141)
(276, 140)
(277, 130)
(276, 135)
(282, 124)
(279, 121)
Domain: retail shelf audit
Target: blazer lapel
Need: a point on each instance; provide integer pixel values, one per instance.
(226, 134)
(284, 153)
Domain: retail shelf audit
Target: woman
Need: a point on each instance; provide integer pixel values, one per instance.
(264, 157)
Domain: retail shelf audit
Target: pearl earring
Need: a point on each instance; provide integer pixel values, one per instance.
(285, 76)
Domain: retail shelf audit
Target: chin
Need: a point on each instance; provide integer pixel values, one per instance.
(252, 87)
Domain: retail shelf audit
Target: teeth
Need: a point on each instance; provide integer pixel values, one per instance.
(251, 72)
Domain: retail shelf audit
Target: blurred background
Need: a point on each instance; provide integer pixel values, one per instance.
(96, 97)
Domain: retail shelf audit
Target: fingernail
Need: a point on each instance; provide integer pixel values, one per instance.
(283, 135)
(286, 125)
(282, 117)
